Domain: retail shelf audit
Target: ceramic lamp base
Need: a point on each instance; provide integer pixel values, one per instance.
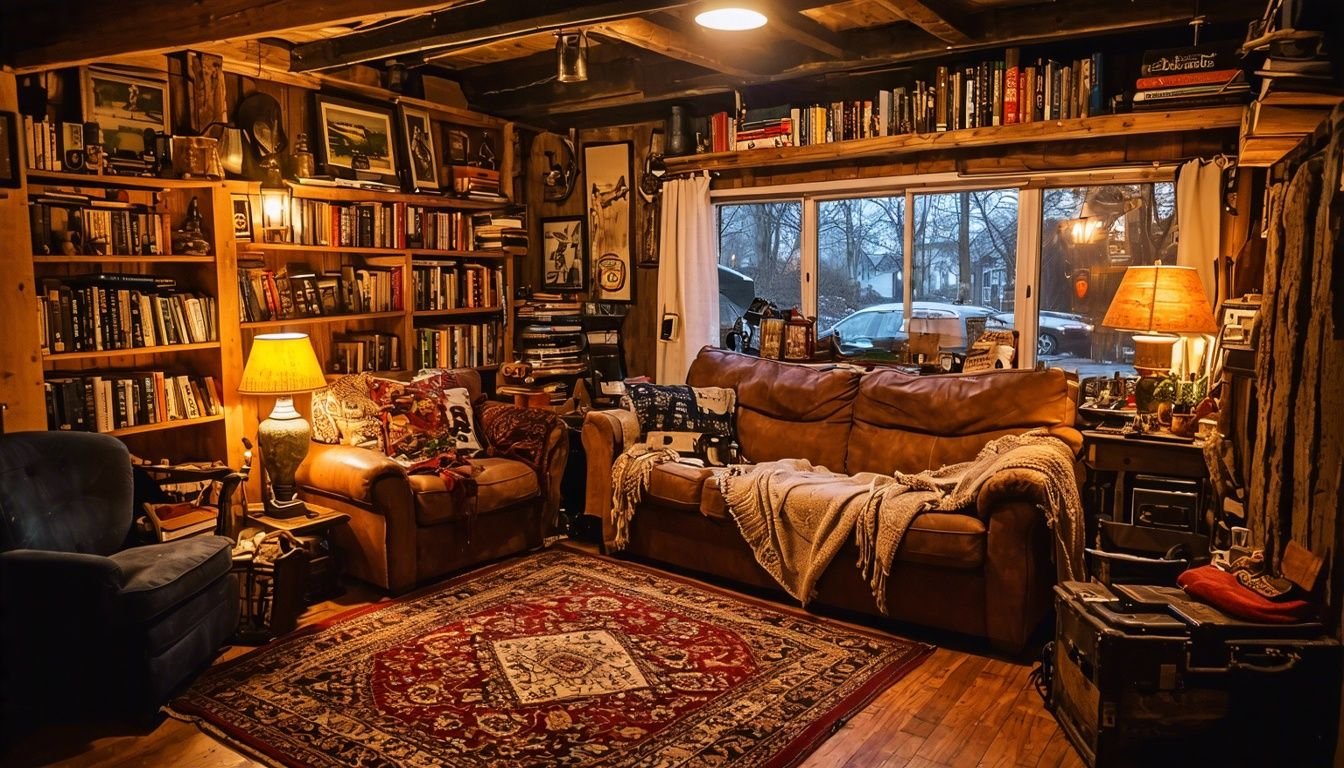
(283, 438)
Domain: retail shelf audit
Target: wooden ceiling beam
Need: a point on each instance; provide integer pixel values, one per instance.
(663, 40)
(939, 23)
(57, 33)
(463, 27)
(804, 31)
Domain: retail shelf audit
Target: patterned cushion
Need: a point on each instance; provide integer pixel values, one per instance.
(424, 417)
(344, 413)
(678, 416)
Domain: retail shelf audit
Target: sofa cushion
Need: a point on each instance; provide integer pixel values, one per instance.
(499, 484)
(945, 539)
(784, 410)
(678, 485)
(914, 423)
(344, 414)
(159, 577)
(425, 417)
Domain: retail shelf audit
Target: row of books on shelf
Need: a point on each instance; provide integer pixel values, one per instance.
(103, 402)
(355, 352)
(115, 311)
(458, 286)
(460, 346)
(392, 225)
(1181, 78)
(297, 291)
(46, 144)
(78, 225)
(989, 93)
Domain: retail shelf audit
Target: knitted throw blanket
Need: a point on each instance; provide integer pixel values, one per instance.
(797, 516)
(629, 477)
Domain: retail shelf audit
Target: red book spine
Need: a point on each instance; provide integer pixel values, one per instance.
(1213, 77)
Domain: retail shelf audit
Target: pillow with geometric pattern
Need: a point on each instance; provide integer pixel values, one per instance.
(682, 417)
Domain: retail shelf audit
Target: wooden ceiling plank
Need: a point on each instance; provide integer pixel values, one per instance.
(50, 38)
(462, 27)
(937, 23)
(804, 31)
(645, 34)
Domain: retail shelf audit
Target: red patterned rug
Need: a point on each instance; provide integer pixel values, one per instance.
(558, 658)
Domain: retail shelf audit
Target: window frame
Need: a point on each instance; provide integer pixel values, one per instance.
(1030, 190)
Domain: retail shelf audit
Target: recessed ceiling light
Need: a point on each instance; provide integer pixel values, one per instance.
(730, 18)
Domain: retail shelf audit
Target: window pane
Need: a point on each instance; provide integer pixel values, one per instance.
(759, 255)
(965, 261)
(860, 260)
(1089, 235)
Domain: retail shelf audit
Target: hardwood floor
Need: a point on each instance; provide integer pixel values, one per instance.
(959, 708)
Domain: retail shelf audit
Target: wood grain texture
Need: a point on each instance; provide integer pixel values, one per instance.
(20, 354)
(956, 709)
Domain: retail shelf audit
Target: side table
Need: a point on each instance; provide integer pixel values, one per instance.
(315, 534)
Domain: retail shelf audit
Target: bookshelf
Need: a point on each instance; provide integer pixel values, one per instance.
(130, 336)
(1052, 131)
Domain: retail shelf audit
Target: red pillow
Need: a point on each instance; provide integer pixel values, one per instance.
(1222, 590)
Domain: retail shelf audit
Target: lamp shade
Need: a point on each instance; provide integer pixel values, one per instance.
(1161, 299)
(281, 364)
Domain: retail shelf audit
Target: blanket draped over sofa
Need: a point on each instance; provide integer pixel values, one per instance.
(797, 516)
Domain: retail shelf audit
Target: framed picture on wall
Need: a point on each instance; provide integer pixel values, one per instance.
(564, 254)
(356, 140)
(608, 169)
(422, 154)
(124, 105)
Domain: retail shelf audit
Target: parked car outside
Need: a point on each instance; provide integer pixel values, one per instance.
(1058, 333)
(883, 326)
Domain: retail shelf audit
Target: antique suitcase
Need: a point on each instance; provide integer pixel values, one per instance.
(1146, 676)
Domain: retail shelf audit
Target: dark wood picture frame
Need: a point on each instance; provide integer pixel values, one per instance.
(241, 206)
(608, 172)
(564, 251)
(422, 151)
(344, 124)
(9, 150)
(122, 128)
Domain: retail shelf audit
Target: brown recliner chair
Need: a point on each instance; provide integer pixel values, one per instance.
(407, 529)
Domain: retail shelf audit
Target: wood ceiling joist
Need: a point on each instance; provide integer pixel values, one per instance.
(938, 23)
(466, 26)
(70, 32)
(674, 44)
(804, 31)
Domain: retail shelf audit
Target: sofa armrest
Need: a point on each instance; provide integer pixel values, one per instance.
(605, 435)
(347, 472)
(56, 583)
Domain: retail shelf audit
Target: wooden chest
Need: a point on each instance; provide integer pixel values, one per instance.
(1143, 676)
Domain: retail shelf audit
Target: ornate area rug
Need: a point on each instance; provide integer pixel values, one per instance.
(556, 659)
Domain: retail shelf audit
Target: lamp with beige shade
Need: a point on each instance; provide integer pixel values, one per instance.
(282, 364)
(1157, 302)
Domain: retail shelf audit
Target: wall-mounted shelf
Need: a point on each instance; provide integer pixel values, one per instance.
(457, 311)
(1054, 131)
(62, 259)
(128, 182)
(323, 319)
(132, 351)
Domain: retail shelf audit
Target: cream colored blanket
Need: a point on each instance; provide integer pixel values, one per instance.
(797, 516)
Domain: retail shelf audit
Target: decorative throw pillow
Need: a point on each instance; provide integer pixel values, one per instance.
(685, 419)
(422, 418)
(344, 413)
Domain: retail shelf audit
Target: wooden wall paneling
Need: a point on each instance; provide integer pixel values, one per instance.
(231, 358)
(20, 353)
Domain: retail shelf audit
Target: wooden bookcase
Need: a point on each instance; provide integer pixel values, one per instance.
(208, 436)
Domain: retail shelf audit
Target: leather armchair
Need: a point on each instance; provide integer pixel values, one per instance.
(84, 618)
(407, 529)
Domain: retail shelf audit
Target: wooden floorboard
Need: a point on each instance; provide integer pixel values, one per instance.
(961, 707)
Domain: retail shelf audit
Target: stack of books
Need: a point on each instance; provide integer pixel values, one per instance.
(500, 232)
(1179, 78)
(475, 183)
(769, 127)
(550, 338)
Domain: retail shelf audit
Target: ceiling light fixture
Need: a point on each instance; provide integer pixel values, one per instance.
(571, 54)
(730, 18)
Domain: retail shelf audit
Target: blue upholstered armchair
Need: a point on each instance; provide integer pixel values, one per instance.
(85, 619)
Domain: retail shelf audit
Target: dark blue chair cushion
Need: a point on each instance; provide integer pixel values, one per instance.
(64, 491)
(159, 577)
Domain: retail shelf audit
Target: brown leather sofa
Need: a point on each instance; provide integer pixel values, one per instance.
(407, 529)
(987, 573)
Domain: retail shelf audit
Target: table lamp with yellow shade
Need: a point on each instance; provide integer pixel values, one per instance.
(282, 364)
(1158, 302)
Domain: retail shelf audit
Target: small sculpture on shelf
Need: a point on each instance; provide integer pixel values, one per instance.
(190, 239)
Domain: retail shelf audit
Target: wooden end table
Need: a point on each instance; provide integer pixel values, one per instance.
(324, 573)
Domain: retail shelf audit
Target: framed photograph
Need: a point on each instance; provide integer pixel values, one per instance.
(242, 216)
(356, 140)
(1237, 319)
(329, 294)
(564, 257)
(9, 150)
(772, 337)
(798, 341)
(124, 105)
(607, 171)
(422, 155)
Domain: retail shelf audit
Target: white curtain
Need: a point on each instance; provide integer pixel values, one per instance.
(688, 280)
(1199, 205)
